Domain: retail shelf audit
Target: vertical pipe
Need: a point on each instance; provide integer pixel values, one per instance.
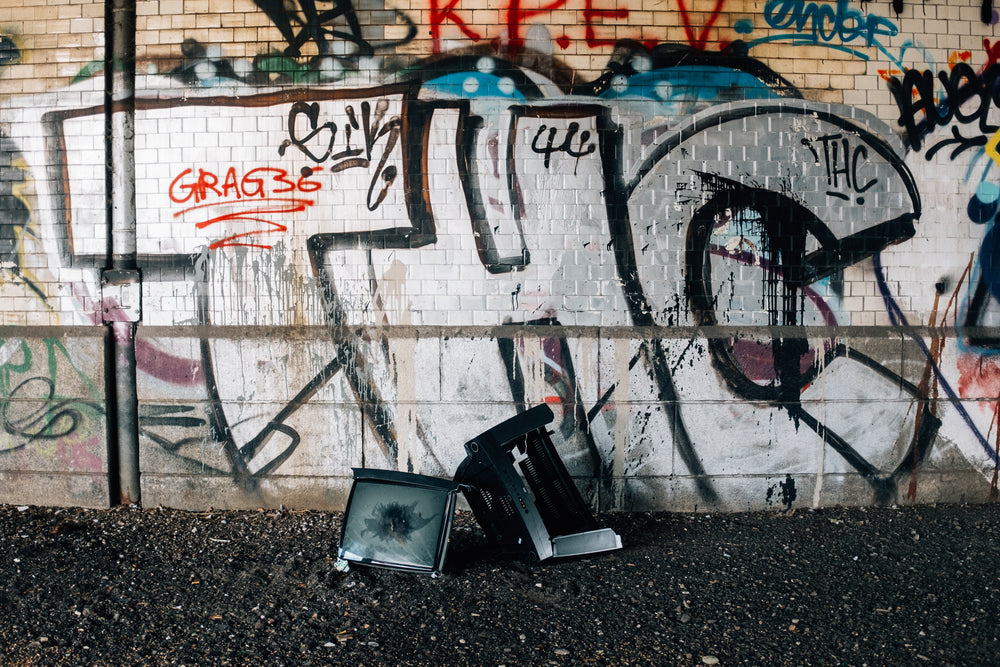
(119, 72)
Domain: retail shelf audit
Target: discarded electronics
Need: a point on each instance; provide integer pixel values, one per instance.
(550, 521)
(398, 520)
(515, 483)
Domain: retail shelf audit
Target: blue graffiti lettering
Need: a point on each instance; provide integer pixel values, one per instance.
(825, 23)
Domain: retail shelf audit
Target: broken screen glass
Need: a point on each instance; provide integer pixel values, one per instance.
(394, 525)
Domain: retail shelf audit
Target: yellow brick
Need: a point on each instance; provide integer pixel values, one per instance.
(203, 21)
(559, 18)
(34, 85)
(71, 41)
(183, 21)
(43, 41)
(95, 11)
(244, 35)
(153, 24)
(170, 7)
(841, 82)
(257, 19)
(638, 19)
(232, 21)
(220, 36)
(171, 36)
(39, 28)
(821, 81)
(45, 12)
(70, 11)
(396, 32)
(85, 25)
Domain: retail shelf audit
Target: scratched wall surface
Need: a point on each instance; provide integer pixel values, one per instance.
(744, 250)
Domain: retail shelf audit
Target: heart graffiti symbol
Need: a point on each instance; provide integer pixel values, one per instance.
(311, 112)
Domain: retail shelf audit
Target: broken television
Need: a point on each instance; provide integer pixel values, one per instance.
(523, 496)
(398, 520)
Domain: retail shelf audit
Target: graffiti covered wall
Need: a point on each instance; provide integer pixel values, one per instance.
(743, 250)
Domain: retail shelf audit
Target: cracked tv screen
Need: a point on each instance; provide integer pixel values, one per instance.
(394, 524)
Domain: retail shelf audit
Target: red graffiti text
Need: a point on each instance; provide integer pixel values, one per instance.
(245, 203)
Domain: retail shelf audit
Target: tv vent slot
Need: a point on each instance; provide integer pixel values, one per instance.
(487, 498)
(508, 505)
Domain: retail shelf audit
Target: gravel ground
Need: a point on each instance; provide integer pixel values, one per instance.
(127, 586)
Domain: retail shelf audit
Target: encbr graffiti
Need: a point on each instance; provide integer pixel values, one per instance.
(821, 22)
(839, 27)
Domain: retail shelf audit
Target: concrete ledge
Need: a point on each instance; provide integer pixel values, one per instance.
(201, 492)
(53, 488)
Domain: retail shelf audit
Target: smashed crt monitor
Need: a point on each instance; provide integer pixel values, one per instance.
(549, 521)
(398, 520)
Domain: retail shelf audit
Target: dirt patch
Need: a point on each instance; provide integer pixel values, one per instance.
(840, 586)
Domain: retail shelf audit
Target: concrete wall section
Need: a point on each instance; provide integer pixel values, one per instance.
(55, 442)
(744, 250)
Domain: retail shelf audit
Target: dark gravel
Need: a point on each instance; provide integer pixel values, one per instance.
(915, 585)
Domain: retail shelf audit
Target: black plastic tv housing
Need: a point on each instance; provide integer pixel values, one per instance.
(522, 495)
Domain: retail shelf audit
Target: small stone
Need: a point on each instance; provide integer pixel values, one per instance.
(709, 660)
(561, 651)
(329, 645)
(685, 618)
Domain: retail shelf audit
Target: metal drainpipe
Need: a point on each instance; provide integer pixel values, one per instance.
(121, 279)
